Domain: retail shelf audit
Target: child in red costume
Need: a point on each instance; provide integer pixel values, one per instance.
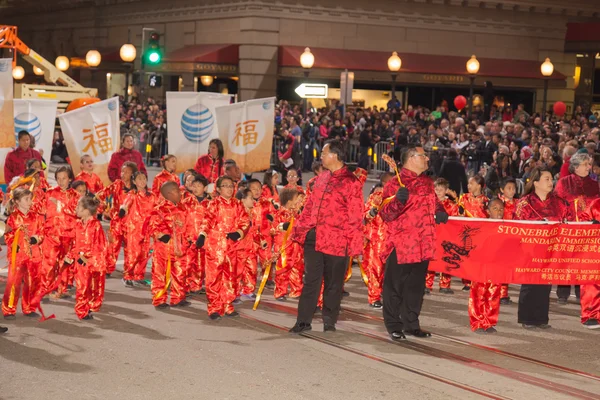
(270, 182)
(447, 198)
(167, 226)
(196, 203)
(24, 254)
(484, 298)
(61, 202)
(473, 205)
(264, 211)
(168, 162)
(89, 255)
(92, 181)
(134, 212)
(374, 241)
(111, 198)
(290, 263)
(226, 223)
(507, 195)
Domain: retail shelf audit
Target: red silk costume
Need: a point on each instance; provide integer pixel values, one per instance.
(168, 260)
(413, 240)
(139, 206)
(290, 264)
(375, 242)
(262, 208)
(336, 215)
(310, 185)
(28, 258)
(590, 294)
(222, 217)
(578, 191)
(162, 177)
(59, 235)
(451, 209)
(247, 255)
(210, 168)
(195, 258)
(272, 196)
(298, 188)
(475, 206)
(113, 197)
(532, 208)
(91, 246)
(92, 181)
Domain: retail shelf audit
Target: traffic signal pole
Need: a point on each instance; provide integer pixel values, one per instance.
(143, 61)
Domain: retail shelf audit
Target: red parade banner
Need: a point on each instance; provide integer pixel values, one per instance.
(518, 251)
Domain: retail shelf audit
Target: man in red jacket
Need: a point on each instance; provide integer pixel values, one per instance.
(410, 218)
(126, 153)
(14, 165)
(330, 229)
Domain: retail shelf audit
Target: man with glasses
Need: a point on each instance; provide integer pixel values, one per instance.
(330, 229)
(410, 219)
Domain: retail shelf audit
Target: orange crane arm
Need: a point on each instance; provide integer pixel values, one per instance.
(10, 40)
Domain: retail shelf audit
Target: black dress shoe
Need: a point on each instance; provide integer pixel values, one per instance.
(427, 291)
(562, 301)
(329, 328)
(397, 336)
(163, 306)
(32, 315)
(376, 304)
(446, 291)
(418, 333)
(3, 329)
(300, 327)
(214, 316)
(345, 294)
(466, 288)
(281, 298)
(182, 303)
(233, 314)
(10, 317)
(505, 301)
(88, 317)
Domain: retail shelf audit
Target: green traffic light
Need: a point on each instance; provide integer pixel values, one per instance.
(154, 57)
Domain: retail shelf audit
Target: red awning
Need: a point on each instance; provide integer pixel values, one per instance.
(583, 32)
(206, 53)
(364, 60)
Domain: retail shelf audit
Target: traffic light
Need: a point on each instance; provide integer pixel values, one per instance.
(153, 54)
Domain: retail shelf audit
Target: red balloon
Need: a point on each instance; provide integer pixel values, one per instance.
(560, 108)
(460, 102)
(81, 102)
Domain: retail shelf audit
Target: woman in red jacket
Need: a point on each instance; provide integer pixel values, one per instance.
(211, 165)
(539, 203)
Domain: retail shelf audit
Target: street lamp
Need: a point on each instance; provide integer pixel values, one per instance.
(127, 54)
(394, 64)
(206, 80)
(547, 69)
(18, 73)
(62, 63)
(93, 58)
(307, 60)
(472, 69)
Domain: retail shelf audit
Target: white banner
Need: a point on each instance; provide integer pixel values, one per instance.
(36, 117)
(191, 124)
(7, 139)
(92, 130)
(246, 130)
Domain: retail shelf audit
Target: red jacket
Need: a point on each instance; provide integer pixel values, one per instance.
(335, 210)
(14, 164)
(210, 168)
(410, 226)
(119, 158)
(91, 241)
(509, 207)
(532, 208)
(163, 177)
(223, 217)
(92, 181)
(573, 187)
(564, 169)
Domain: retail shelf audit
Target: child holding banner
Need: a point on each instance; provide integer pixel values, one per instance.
(92, 181)
(168, 162)
(290, 263)
(507, 195)
(484, 298)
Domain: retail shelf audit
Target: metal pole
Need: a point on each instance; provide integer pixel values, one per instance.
(545, 98)
(472, 79)
(126, 96)
(393, 85)
(306, 72)
(142, 74)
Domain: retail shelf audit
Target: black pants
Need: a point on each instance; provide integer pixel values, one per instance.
(534, 304)
(363, 158)
(564, 291)
(403, 290)
(318, 267)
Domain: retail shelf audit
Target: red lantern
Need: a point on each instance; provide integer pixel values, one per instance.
(460, 102)
(81, 102)
(560, 108)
